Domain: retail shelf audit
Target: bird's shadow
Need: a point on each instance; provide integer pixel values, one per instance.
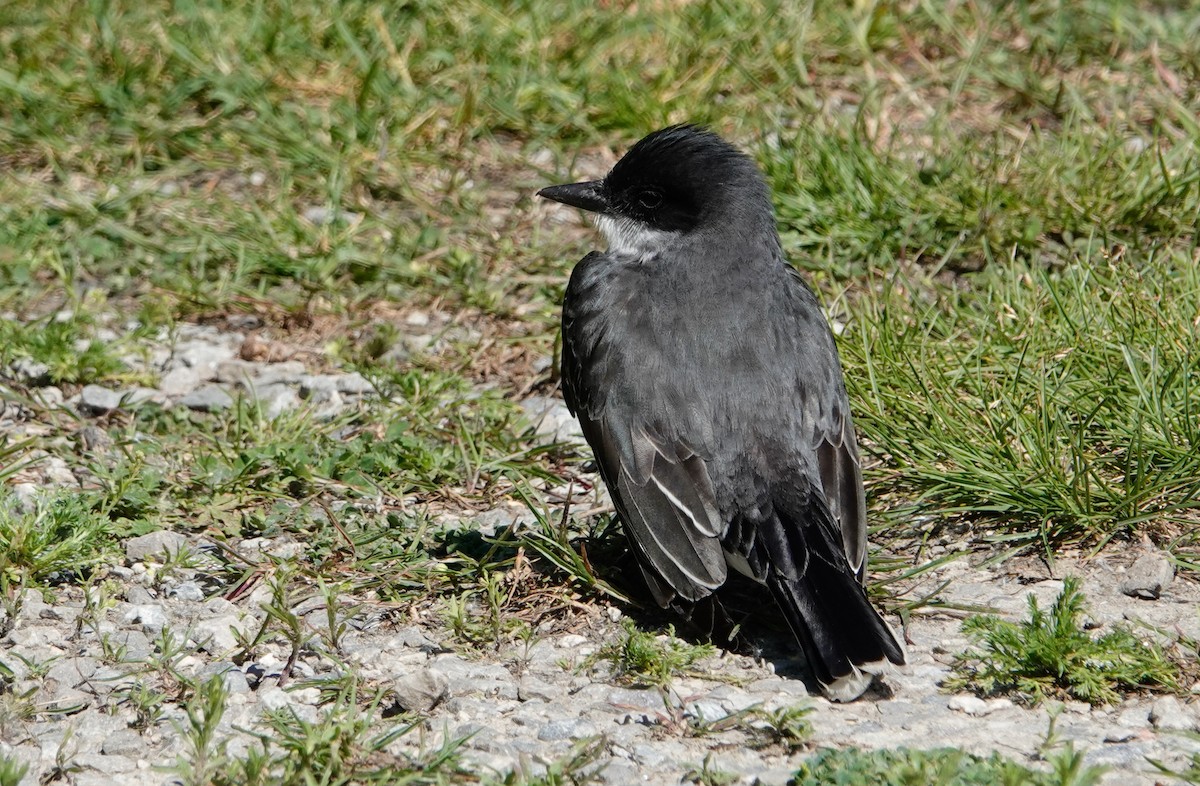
(741, 618)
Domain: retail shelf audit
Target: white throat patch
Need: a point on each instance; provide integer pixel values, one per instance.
(627, 237)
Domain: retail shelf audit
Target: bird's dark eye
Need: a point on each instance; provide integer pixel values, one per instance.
(649, 199)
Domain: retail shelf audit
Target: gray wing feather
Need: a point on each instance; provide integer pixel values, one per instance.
(836, 448)
(841, 481)
(661, 486)
(669, 506)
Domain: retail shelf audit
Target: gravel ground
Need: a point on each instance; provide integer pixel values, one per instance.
(530, 702)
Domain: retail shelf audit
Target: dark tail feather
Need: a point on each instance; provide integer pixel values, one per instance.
(843, 636)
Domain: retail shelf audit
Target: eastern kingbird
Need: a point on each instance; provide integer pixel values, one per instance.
(707, 383)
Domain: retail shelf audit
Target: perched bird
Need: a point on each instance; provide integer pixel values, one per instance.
(706, 381)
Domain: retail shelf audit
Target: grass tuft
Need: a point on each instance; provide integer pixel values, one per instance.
(643, 658)
(939, 767)
(1052, 405)
(1050, 655)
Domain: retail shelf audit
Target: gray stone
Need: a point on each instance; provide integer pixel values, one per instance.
(971, 705)
(207, 399)
(413, 637)
(154, 544)
(1148, 576)
(570, 641)
(1124, 757)
(320, 388)
(272, 699)
(152, 617)
(94, 440)
(494, 521)
(623, 773)
(322, 215)
(215, 635)
(541, 654)
(132, 397)
(231, 675)
(479, 734)
(66, 699)
(420, 690)
(136, 593)
(1167, 714)
(732, 699)
(285, 548)
(30, 372)
(777, 776)
(187, 591)
(180, 381)
(705, 711)
(35, 637)
(136, 644)
(289, 371)
(573, 729)
(1119, 734)
(236, 371)
(219, 607)
(203, 356)
(353, 384)
(98, 400)
(277, 399)
(310, 696)
(25, 497)
(55, 472)
(97, 769)
(72, 671)
(124, 742)
(552, 420)
(49, 396)
(532, 688)
(465, 675)
(409, 344)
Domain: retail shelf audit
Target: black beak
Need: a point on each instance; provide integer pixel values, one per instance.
(585, 196)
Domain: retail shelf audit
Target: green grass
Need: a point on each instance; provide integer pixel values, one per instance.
(345, 746)
(62, 538)
(1051, 655)
(172, 152)
(11, 771)
(1053, 404)
(642, 658)
(939, 767)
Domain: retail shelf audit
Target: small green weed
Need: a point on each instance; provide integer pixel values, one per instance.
(1190, 774)
(62, 536)
(786, 726)
(709, 774)
(938, 767)
(205, 754)
(64, 346)
(1051, 655)
(11, 771)
(347, 745)
(643, 658)
(577, 768)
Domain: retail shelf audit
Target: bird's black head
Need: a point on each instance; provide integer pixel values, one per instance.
(670, 181)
